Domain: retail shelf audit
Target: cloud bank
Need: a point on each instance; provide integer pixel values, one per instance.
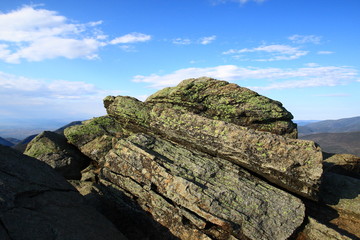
(275, 52)
(301, 39)
(20, 95)
(37, 34)
(270, 78)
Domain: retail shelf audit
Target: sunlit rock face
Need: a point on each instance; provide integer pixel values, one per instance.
(206, 159)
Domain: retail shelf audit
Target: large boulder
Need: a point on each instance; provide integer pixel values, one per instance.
(206, 164)
(198, 196)
(290, 163)
(38, 203)
(53, 149)
(225, 101)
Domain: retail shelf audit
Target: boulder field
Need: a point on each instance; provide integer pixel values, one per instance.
(206, 159)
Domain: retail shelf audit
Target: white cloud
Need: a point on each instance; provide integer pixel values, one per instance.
(274, 52)
(21, 86)
(312, 64)
(188, 41)
(301, 39)
(35, 34)
(181, 41)
(271, 78)
(20, 95)
(131, 38)
(324, 52)
(207, 40)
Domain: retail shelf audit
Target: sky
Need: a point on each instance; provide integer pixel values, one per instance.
(59, 59)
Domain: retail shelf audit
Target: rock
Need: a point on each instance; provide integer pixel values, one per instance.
(197, 196)
(345, 164)
(341, 193)
(337, 211)
(94, 137)
(293, 164)
(21, 146)
(228, 102)
(316, 231)
(38, 203)
(54, 150)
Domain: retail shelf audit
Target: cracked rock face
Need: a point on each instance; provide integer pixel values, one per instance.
(293, 164)
(205, 172)
(38, 203)
(198, 196)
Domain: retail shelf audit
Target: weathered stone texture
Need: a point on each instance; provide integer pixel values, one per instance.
(38, 203)
(225, 101)
(293, 164)
(95, 137)
(53, 149)
(196, 195)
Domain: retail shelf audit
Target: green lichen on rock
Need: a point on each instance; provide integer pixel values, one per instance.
(95, 136)
(293, 164)
(221, 100)
(127, 108)
(53, 149)
(42, 145)
(225, 195)
(90, 129)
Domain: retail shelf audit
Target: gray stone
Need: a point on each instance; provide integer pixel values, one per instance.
(290, 163)
(53, 149)
(38, 203)
(198, 196)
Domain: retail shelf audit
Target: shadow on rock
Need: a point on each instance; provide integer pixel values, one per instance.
(126, 214)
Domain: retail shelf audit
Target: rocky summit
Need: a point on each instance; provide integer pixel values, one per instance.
(206, 159)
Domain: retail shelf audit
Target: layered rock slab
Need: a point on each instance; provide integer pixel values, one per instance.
(290, 163)
(38, 203)
(198, 196)
(221, 100)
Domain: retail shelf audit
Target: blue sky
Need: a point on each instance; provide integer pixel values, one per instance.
(59, 59)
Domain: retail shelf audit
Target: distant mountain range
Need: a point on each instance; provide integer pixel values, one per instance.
(337, 142)
(331, 126)
(334, 136)
(304, 122)
(5, 142)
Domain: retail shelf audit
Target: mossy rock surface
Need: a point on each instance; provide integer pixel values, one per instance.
(80, 135)
(290, 163)
(53, 149)
(188, 191)
(228, 102)
(94, 137)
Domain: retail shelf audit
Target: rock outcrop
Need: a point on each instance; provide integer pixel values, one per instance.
(290, 163)
(198, 196)
(38, 203)
(221, 100)
(205, 163)
(53, 149)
